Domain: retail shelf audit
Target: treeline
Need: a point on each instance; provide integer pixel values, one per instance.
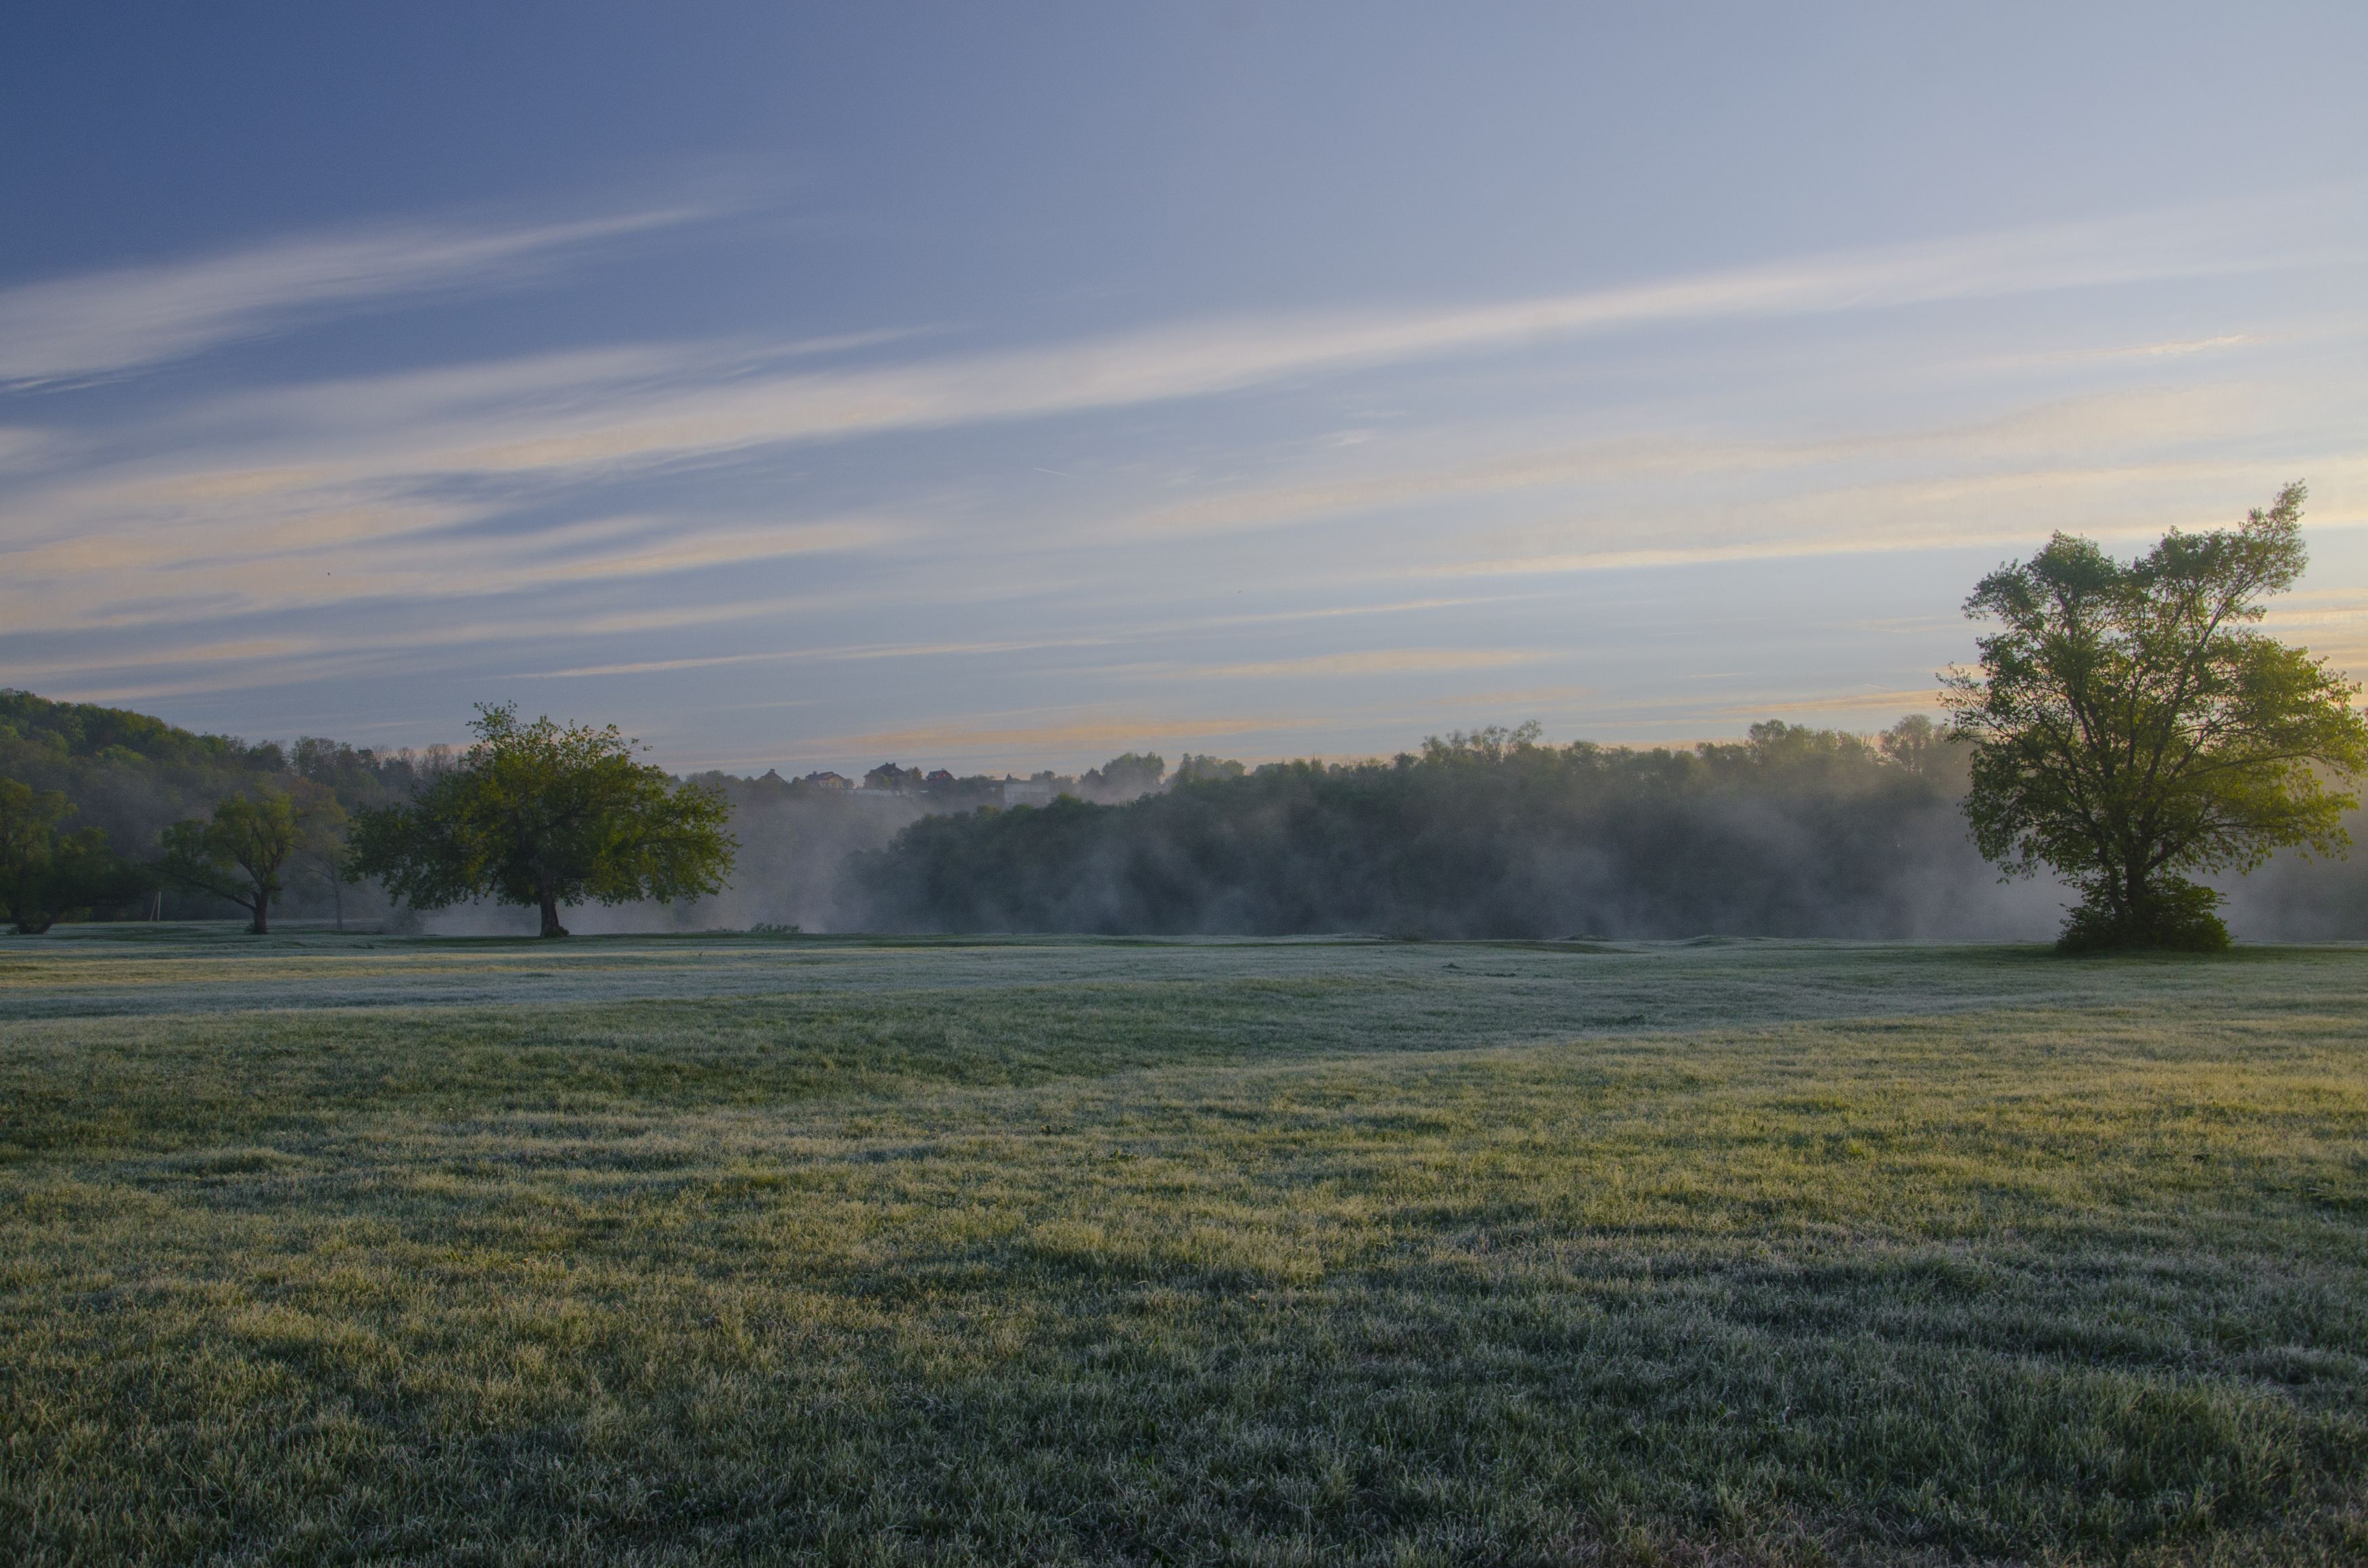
(91, 797)
(1794, 832)
(97, 789)
(129, 775)
(802, 844)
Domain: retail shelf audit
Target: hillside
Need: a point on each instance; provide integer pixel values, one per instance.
(129, 775)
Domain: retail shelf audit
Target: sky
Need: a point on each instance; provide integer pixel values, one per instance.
(1007, 387)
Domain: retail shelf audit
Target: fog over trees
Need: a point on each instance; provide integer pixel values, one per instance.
(1794, 831)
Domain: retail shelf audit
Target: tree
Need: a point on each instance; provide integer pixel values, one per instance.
(45, 872)
(2129, 727)
(324, 870)
(238, 852)
(1193, 769)
(29, 835)
(320, 856)
(540, 815)
(1124, 778)
(1916, 744)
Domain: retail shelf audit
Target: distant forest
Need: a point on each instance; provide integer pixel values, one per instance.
(1794, 832)
(132, 776)
(1791, 832)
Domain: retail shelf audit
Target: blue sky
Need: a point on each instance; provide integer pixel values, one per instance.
(1004, 387)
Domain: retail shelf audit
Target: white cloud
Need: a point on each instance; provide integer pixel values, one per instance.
(388, 509)
(21, 448)
(2118, 503)
(106, 323)
(1369, 661)
(571, 416)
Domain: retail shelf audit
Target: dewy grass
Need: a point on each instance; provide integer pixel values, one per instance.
(713, 1250)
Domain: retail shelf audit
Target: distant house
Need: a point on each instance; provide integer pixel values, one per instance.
(939, 776)
(890, 777)
(1027, 792)
(827, 781)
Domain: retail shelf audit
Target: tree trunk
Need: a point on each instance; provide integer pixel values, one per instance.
(262, 925)
(337, 892)
(550, 925)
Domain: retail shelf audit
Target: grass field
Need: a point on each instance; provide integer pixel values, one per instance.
(731, 1249)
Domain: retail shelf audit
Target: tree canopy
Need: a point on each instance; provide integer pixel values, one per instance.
(46, 871)
(239, 852)
(2130, 727)
(131, 777)
(1794, 830)
(543, 814)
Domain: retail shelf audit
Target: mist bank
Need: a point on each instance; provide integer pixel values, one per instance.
(1795, 832)
(797, 844)
(802, 843)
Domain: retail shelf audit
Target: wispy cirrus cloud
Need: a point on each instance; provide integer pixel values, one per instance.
(127, 318)
(973, 741)
(326, 459)
(628, 511)
(2026, 438)
(2116, 502)
(602, 410)
(1871, 704)
(1366, 662)
(823, 655)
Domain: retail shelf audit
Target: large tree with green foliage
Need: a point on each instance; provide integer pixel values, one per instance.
(239, 852)
(45, 870)
(2130, 727)
(545, 815)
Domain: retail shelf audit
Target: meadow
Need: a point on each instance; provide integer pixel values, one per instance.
(746, 1249)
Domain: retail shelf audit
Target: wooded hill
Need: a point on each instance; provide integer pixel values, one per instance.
(131, 776)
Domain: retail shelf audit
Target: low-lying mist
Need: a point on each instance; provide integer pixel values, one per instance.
(1794, 833)
(798, 846)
